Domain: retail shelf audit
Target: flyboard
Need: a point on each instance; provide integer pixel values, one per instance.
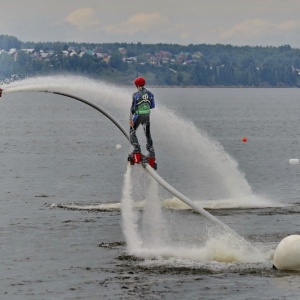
(148, 165)
(137, 157)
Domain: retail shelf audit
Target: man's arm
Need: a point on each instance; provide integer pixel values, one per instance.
(152, 101)
(131, 112)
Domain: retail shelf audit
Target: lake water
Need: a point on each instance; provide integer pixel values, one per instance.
(78, 223)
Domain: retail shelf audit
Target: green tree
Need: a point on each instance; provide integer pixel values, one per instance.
(8, 66)
(7, 42)
(24, 59)
(116, 61)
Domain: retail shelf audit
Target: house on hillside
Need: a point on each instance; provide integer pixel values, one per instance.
(130, 60)
(123, 52)
(28, 51)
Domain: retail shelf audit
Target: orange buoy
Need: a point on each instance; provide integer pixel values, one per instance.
(244, 140)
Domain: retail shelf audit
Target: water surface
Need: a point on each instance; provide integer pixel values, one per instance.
(63, 182)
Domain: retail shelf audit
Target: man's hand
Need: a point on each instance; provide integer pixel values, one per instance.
(131, 123)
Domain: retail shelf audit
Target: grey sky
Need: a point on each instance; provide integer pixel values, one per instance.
(236, 22)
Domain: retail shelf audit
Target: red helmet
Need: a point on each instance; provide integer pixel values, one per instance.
(140, 81)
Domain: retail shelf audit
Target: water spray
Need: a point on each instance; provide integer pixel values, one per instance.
(147, 167)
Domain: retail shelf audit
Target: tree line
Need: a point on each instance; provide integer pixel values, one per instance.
(218, 65)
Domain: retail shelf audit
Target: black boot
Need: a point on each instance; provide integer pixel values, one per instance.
(151, 152)
(137, 149)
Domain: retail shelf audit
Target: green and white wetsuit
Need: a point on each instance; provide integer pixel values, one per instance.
(142, 103)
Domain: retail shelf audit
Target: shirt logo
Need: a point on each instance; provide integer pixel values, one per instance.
(145, 97)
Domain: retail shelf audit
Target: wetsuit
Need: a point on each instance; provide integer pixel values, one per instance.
(142, 102)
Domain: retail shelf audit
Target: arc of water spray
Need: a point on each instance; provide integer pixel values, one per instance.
(148, 168)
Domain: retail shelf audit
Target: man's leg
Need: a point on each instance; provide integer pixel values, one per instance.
(133, 138)
(149, 144)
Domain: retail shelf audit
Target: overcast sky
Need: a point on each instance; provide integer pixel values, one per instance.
(236, 22)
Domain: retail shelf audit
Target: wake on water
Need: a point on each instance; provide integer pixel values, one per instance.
(213, 174)
(150, 235)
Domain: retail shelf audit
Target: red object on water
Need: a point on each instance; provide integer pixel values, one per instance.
(135, 158)
(151, 161)
(244, 140)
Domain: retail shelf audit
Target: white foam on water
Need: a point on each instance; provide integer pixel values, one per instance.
(100, 207)
(251, 201)
(150, 238)
(176, 204)
(143, 229)
(218, 248)
(153, 221)
(129, 216)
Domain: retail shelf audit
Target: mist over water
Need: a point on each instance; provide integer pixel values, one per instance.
(186, 155)
(130, 226)
(213, 173)
(144, 227)
(151, 233)
(200, 162)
